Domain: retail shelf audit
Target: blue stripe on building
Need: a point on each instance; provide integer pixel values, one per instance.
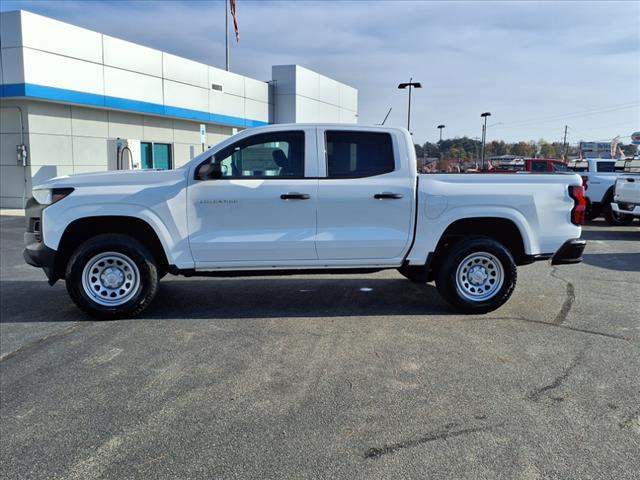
(30, 90)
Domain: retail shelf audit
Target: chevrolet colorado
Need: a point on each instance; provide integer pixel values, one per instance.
(300, 199)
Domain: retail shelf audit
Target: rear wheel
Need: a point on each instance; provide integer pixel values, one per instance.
(592, 212)
(478, 275)
(112, 276)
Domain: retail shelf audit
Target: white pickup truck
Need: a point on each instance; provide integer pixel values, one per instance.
(599, 178)
(626, 198)
(300, 199)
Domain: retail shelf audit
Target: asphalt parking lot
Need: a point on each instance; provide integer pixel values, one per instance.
(327, 377)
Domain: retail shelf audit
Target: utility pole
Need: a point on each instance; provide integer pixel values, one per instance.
(475, 146)
(565, 143)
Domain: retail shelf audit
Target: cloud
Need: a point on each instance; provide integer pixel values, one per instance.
(518, 60)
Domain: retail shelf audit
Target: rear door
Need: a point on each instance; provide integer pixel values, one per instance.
(263, 209)
(365, 198)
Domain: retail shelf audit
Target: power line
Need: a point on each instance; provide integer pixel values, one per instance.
(584, 113)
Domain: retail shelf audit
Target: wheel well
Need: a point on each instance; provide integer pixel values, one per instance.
(83, 229)
(504, 231)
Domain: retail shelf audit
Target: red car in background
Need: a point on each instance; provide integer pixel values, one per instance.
(538, 165)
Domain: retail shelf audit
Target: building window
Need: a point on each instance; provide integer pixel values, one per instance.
(155, 155)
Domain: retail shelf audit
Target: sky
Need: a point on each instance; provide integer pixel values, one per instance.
(536, 66)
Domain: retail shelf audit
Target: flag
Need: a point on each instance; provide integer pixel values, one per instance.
(232, 7)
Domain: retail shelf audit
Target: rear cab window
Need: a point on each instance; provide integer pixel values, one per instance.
(538, 166)
(560, 167)
(606, 167)
(354, 154)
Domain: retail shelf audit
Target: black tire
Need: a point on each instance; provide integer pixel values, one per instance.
(591, 212)
(617, 219)
(495, 252)
(140, 293)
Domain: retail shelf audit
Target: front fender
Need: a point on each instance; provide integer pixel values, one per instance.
(57, 217)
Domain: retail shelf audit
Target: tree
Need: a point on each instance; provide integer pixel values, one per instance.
(419, 151)
(431, 150)
(546, 149)
(522, 149)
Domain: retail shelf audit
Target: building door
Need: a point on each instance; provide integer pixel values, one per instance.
(155, 155)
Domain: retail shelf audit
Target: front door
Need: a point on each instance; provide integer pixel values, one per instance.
(262, 211)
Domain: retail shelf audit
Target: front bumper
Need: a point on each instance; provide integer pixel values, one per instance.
(570, 252)
(37, 254)
(626, 208)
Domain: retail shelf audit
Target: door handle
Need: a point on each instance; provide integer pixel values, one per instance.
(387, 196)
(295, 196)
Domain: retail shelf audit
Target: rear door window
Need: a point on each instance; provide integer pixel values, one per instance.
(352, 154)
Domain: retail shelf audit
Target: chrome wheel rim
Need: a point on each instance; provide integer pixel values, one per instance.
(479, 276)
(110, 279)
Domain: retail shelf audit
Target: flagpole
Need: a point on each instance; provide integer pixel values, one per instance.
(226, 33)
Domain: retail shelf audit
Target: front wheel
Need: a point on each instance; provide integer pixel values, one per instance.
(617, 219)
(477, 275)
(112, 276)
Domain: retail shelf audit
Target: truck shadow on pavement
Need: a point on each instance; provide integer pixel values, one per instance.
(255, 298)
(629, 234)
(294, 297)
(624, 262)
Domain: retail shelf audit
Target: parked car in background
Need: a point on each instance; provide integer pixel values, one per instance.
(598, 178)
(536, 165)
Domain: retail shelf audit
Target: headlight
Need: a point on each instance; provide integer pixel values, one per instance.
(47, 196)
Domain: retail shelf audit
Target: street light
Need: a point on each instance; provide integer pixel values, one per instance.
(484, 137)
(410, 84)
(440, 127)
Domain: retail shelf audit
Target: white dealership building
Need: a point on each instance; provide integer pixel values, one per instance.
(74, 100)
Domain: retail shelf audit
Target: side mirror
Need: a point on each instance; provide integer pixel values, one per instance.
(210, 171)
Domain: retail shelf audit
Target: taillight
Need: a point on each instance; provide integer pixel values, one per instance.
(579, 205)
(585, 182)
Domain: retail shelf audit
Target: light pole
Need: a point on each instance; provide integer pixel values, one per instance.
(440, 127)
(411, 84)
(484, 137)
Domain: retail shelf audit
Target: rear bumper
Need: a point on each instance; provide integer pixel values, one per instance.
(626, 208)
(570, 252)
